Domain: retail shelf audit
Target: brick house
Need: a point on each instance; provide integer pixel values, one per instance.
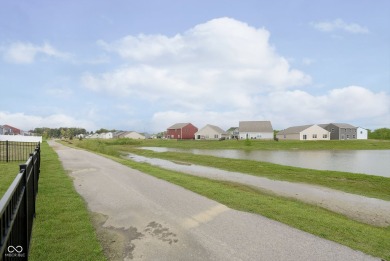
(181, 131)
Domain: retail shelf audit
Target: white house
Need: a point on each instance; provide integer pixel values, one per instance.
(255, 130)
(305, 132)
(361, 133)
(210, 132)
(106, 135)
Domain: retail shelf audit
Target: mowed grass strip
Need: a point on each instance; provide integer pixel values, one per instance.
(63, 228)
(269, 144)
(366, 185)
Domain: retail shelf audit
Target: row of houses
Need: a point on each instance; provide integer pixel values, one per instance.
(245, 130)
(119, 134)
(264, 130)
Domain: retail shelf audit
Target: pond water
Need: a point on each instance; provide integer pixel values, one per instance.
(372, 162)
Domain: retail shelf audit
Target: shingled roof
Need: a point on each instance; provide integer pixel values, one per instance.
(255, 126)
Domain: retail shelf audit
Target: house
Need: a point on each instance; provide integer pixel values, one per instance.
(131, 135)
(340, 131)
(361, 133)
(255, 130)
(211, 132)
(305, 132)
(181, 131)
(106, 135)
(9, 130)
(233, 132)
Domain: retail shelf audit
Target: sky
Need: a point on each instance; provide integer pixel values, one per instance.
(146, 65)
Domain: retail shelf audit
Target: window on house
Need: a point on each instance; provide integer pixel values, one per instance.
(353, 136)
(304, 137)
(216, 136)
(324, 136)
(332, 130)
(347, 136)
(314, 136)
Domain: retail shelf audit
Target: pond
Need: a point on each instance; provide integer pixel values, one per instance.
(372, 162)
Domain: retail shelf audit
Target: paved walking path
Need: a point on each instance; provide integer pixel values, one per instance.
(368, 210)
(144, 218)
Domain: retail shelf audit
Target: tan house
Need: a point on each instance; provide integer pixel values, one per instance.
(305, 132)
(131, 135)
(211, 132)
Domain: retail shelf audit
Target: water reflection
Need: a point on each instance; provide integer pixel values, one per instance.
(373, 162)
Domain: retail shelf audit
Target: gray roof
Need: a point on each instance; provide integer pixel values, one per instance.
(295, 129)
(178, 126)
(339, 125)
(255, 126)
(216, 129)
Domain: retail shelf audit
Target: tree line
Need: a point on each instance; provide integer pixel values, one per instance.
(62, 132)
(379, 134)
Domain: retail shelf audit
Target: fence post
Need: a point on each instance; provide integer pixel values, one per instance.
(6, 151)
(24, 221)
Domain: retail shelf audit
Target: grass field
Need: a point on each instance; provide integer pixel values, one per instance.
(8, 172)
(315, 220)
(269, 145)
(62, 228)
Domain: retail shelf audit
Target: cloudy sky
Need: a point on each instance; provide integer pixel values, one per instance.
(145, 65)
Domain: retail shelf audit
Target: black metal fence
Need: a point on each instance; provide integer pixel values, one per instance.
(17, 210)
(15, 150)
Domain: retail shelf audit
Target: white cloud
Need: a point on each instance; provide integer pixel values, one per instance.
(339, 24)
(222, 72)
(27, 122)
(26, 53)
(222, 61)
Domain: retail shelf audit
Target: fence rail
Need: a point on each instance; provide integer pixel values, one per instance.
(17, 210)
(15, 150)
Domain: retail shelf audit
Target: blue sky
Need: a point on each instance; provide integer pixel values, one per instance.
(145, 65)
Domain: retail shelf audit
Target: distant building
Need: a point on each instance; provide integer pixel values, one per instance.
(256, 130)
(233, 132)
(305, 132)
(340, 131)
(361, 133)
(181, 131)
(211, 132)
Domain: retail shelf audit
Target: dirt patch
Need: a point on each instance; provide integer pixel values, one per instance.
(117, 243)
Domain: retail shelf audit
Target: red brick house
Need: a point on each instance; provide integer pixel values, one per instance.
(181, 131)
(9, 130)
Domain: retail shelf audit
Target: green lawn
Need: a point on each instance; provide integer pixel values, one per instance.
(63, 228)
(8, 172)
(269, 144)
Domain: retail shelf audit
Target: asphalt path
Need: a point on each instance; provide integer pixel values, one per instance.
(139, 217)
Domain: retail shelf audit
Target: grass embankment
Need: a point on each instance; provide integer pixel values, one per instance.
(270, 144)
(62, 228)
(315, 220)
(366, 185)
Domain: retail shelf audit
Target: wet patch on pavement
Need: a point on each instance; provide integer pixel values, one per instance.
(162, 233)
